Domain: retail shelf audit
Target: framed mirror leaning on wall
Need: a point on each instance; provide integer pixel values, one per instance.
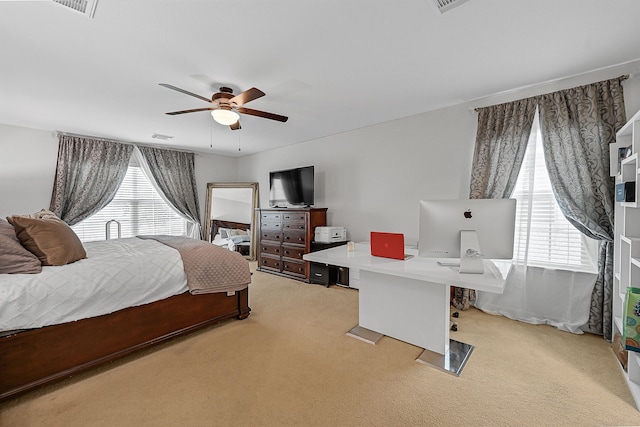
(230, 216)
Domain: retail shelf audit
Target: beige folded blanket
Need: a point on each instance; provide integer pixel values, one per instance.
(208, 267)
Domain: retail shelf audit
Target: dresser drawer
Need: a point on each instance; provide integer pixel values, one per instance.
(271, 216)
(270, 263)
(284, 236)
(273, 250)
(273, 235)
(294, 253)
(293, 225)
(270, 225)
(297, 237)
(293, 217)
(295, 268)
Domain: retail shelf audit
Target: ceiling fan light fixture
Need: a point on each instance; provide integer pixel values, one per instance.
(225, 117)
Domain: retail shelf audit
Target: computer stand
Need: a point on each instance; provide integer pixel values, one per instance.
(470, 254)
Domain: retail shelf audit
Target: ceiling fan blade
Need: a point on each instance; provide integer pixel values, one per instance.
(195, 110)
(236, 126)
(263, 114)
(186, 92)
(246, 96)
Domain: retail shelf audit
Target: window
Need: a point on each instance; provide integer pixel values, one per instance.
(139, 209)
(543, 236)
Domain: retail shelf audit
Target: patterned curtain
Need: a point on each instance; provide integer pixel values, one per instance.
(174, 172)
(88, 174)
(501, 142)
(577, 127)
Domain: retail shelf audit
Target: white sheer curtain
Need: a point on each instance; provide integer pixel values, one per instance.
(193, 229)
(173, 174)
(548, 284)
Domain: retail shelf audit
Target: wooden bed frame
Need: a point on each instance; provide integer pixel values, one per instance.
(36, 357)
(242, 248)
(218, 223)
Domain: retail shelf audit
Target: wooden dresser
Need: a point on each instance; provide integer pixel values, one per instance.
(284, 236)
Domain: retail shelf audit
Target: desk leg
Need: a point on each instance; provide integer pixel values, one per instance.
(364, 334)
(409, 310)
(413, 311)
(452, 361)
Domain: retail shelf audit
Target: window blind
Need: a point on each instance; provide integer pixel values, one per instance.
(543, 236)
(139, 209)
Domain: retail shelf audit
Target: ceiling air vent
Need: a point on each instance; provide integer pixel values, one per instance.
(85, 7)
(441, 6)
(161, 136)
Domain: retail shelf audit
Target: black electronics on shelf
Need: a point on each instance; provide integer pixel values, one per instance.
(326, 274)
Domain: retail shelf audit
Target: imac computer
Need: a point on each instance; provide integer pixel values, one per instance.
(469, 230)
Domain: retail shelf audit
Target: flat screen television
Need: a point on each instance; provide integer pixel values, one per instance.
(292, 187)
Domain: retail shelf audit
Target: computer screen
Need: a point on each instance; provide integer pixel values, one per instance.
(442, 221)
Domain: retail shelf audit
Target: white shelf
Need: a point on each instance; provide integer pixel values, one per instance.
(634, 388)
(627, 241)
(618, 323)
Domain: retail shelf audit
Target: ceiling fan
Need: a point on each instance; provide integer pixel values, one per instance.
(226, 106)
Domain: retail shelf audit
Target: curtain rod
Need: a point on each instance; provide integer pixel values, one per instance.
(476, 109)
(77, 135)
(623, 68)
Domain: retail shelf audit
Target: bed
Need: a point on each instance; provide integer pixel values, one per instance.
(34, 354)
(235, 236)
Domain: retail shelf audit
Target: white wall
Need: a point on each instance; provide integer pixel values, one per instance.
(232, 204)
(372, 179)
(28, 165)
(213, 168)
(369, 179)
(27, 169)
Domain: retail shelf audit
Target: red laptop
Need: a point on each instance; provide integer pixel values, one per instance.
(388, 245)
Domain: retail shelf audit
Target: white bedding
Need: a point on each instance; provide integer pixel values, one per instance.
(116, 274)
(231, 242)
(219, 241)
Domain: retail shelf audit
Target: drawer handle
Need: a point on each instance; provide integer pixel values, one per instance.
(318, 275)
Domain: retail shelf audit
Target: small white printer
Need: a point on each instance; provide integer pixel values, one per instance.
(330, 234)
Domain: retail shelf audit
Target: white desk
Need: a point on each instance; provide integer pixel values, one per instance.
(409, 300)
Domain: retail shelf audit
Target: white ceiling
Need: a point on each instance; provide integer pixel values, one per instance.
(329, 65)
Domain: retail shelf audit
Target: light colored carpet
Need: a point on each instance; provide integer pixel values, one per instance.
(290, 363)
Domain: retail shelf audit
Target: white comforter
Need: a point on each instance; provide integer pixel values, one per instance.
(116, 274)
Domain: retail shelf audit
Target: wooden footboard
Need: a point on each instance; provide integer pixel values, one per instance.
(36, 357)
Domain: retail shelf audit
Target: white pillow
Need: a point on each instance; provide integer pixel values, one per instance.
(225, 233)
(238, 232)
(238, 239)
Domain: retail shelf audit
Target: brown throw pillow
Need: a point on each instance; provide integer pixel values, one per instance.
(14, 258)
(50, 239)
